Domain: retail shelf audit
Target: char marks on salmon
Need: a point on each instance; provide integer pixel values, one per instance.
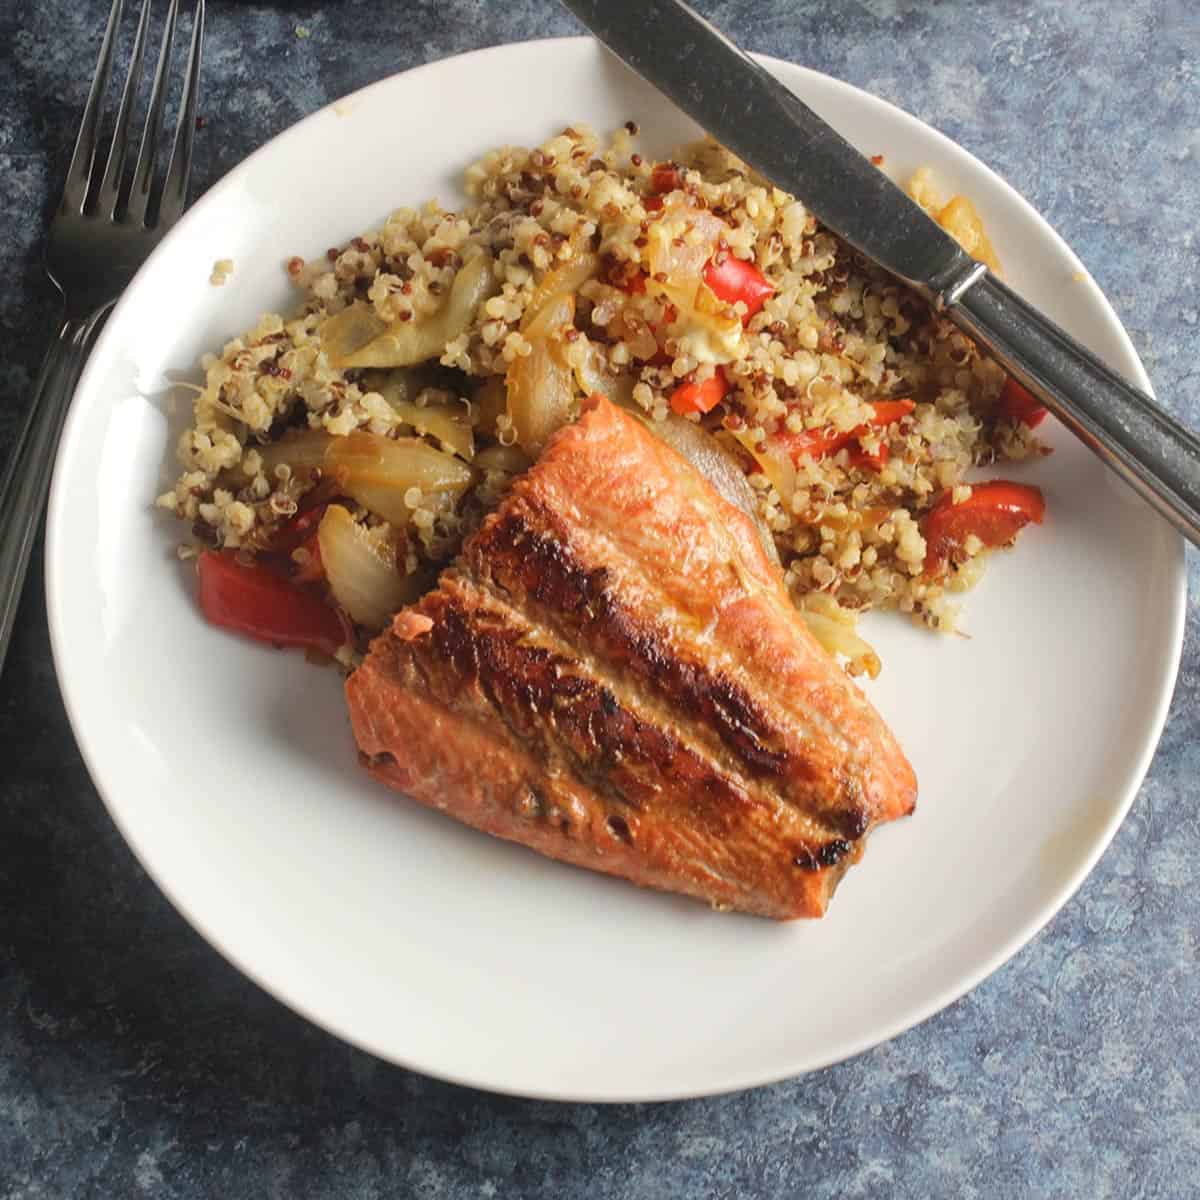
(612, 673)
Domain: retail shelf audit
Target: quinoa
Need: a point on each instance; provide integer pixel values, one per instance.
(835, 337)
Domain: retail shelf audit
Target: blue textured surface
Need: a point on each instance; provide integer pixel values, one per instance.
(135, 1061)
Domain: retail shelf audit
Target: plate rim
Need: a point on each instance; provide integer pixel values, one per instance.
(1002, 953)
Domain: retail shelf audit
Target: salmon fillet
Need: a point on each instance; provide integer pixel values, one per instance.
(612, 674)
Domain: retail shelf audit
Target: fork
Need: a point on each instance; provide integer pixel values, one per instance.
(101, 233)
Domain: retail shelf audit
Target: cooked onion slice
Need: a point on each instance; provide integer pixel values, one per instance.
(358, 337)
(445, 420)
(362, 570)
(541, 386)
(376, 471)
(834, 627)
(449, 423)
(594, 377)
(379, 471)
(680, 243)
(398, 462)
(565, 280)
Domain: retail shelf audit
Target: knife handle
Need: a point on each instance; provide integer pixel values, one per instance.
(1149, 449)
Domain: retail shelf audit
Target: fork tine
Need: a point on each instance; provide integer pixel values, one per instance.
(143, 173)
(110, 186)
(174, 196)
(79, 173)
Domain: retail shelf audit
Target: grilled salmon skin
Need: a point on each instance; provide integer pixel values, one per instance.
(612, 673)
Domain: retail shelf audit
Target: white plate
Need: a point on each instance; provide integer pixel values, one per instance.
(231, 770)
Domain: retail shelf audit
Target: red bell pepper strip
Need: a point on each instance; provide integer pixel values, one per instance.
(995, 512)
(1017, 404)
(255, 601)
(821, 443)
(816, 443)
(700, 397)
(665, 177)
(732, 279)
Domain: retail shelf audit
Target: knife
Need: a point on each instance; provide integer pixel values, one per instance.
(751, 113)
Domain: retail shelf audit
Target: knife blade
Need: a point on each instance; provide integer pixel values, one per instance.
(747, 110)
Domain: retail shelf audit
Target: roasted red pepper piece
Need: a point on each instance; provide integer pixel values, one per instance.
(1018, 404)
(821, 443)
(253, 600)
(995, 512)
(700, 397)
(665, 177)
(816, 443)
(732, 279)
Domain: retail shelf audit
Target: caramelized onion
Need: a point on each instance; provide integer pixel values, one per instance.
(564, 280)
(834, 627)
(680, 243)
(359, 337)
(593, 376)
(379, 471)
(540, 386)
(362, 571)
(447, 420)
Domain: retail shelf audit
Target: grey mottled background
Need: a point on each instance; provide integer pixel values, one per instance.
(134, 1061)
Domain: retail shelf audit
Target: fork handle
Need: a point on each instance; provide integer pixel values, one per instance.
(26, 478)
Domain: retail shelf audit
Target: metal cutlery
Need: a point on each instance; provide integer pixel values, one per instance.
(110, 218)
